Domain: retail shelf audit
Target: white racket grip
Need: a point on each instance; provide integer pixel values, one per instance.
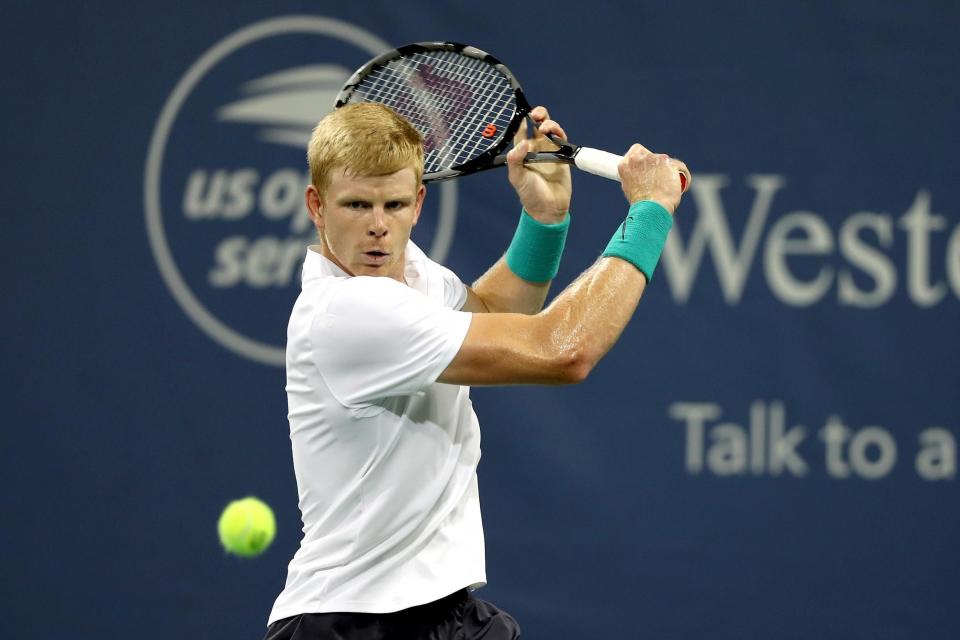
(599, 163)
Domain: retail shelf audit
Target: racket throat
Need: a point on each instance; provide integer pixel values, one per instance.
(565, 153)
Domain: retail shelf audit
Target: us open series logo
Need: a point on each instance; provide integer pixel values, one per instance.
(226, 171)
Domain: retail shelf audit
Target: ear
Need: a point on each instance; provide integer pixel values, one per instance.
(314, 207)
(421, 194)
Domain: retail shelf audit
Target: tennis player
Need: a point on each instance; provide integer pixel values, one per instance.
(382, 347)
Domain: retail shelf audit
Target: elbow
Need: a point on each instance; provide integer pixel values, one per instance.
(574, 365)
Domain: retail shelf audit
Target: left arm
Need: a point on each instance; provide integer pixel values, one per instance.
(544, 190)
(500, 290)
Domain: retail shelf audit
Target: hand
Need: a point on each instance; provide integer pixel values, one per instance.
(653, 176)
(544, 188)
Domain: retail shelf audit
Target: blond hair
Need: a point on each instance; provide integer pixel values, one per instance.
(365, 139)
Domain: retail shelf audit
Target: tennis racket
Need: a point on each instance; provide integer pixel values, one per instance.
(466, 104)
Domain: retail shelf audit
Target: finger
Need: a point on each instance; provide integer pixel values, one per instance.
(516, 155)
(521, 133)
(637, 150)
(635, 156)
(680, 166)
(539, 114)
(551, 127)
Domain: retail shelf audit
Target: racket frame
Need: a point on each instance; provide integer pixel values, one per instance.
(495, 155)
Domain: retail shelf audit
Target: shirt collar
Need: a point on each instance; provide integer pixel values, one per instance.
(316, 265)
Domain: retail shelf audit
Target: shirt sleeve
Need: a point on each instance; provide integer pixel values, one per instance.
(379, 338)
(454, 291)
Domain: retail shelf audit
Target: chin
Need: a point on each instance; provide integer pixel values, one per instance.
(375, 270)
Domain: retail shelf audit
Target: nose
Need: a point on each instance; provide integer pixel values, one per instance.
(378, 223)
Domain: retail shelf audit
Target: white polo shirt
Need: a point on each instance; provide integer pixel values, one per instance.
(385, 457)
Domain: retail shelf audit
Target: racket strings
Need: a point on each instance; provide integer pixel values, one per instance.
(461, 105)
(479, 78)
(493, 91)
(449, 99)
(454, 101)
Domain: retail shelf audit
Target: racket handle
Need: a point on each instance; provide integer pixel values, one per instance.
(604, 164)
(599, 163)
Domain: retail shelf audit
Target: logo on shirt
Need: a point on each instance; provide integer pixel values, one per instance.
(226, 172)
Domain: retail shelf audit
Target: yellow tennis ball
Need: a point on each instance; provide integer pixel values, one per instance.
(246, 527)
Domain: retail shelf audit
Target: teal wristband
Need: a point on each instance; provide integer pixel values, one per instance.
(641, 237)
(535, 251)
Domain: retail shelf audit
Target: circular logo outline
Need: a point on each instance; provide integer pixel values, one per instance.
(215, 328)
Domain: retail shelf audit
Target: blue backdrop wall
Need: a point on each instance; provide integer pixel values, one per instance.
(769, 452)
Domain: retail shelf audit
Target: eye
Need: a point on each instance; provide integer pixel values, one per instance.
(357, 205)
(395, 204)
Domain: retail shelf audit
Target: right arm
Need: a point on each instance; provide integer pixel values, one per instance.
(564, 342)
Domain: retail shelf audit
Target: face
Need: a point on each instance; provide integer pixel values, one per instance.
(365, 221)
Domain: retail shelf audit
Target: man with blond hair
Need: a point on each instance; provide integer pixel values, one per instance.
(382, 346)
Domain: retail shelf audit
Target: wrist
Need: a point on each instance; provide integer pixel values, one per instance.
(641, 237)
(535, 252)
(668, 205)
(553, 217)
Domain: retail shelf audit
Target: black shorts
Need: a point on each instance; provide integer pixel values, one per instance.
(459, 616)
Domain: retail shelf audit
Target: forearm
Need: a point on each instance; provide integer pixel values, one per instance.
(519, 282)
(587, 318)
(590, 314)
(502, 291)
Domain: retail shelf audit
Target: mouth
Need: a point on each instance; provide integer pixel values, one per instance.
(375, 257)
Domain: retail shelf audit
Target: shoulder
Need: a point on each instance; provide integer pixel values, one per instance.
(416, 256)
(443, 282)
